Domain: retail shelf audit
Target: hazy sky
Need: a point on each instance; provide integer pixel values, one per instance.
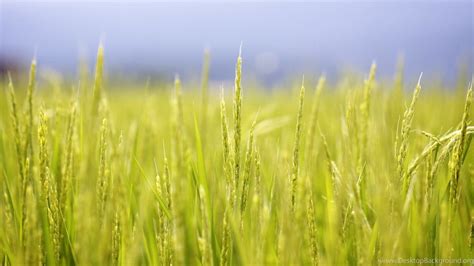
(278, 37)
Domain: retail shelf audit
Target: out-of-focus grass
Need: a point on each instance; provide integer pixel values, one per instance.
(105, 175)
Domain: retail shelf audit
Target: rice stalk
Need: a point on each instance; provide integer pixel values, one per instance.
(449, 138)
(205, 234)
(169, 225)
(314, 115)
(312, 231)
(471, 234)
(365, 115)
(49, 193)
(246, 174)
(224, 256)
(98, 79)
(43, 158)
(404, 135)
(102, 180)
(351, 132)
(24, 207)
(332, 207)
(67, 170)
(225, 138)
(204, 90)
(456, 159)
(33, 235)
(116, 240)
(179, 146)
(258, 206)
(237, 119)
(296, 149)
(29, 125)
(333, 169)
(18, 138)
(159, 231)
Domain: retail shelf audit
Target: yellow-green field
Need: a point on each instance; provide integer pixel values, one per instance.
(355, 172)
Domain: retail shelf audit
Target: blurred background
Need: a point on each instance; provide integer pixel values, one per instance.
(280, 39)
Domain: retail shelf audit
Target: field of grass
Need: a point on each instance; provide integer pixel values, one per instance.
(352, 173)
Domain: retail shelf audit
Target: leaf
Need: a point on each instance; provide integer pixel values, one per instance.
(158, 197)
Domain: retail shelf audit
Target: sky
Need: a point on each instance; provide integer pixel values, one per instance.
(278, 39)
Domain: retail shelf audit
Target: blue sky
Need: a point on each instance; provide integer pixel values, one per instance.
(279, 38)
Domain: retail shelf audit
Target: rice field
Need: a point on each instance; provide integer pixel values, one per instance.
(354, 172)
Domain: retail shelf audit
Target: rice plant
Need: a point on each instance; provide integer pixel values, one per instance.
(104, 175)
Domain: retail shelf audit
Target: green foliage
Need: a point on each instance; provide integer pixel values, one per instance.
(98, 188)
